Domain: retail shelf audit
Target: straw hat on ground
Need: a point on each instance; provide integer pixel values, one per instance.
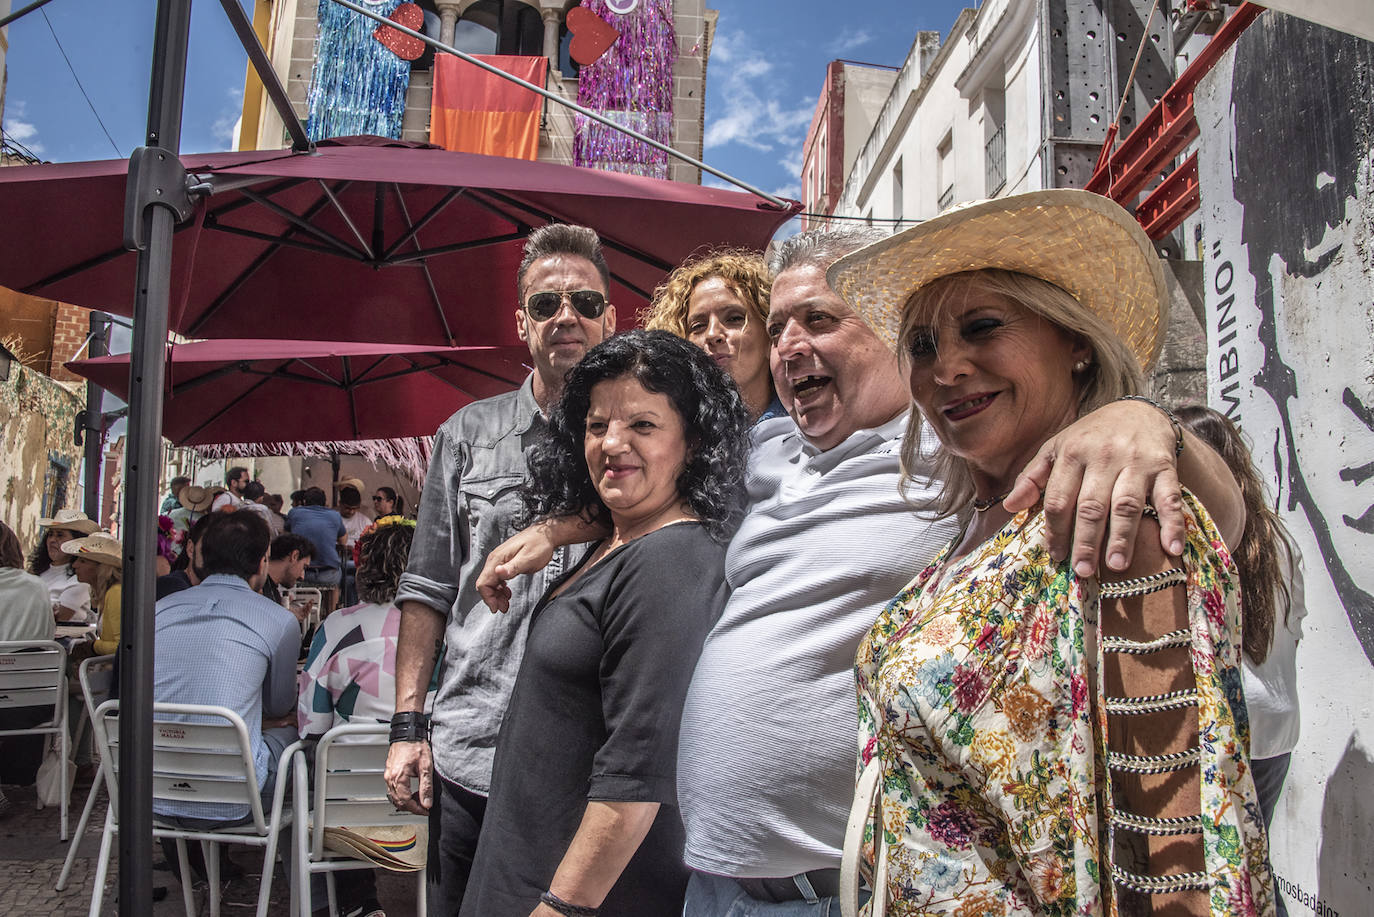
(101, 548)
(1081, 242)
(400, 848)
(198, 499)
(72, 520)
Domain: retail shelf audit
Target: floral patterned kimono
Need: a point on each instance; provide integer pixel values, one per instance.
(975, 695)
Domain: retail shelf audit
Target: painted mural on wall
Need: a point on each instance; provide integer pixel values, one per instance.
(1286, 161)
(40, 467)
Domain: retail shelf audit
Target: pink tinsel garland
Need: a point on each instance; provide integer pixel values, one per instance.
(632, 83)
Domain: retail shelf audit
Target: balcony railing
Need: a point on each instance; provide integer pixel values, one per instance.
(946, 199)
(997, 160)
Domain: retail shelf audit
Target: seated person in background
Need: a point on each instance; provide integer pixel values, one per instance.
(25, 614)
(273, 502)
(221, 643)
(170, 502)
(355, 521)
(324, 527)
(99, 563)
(286, 564)
(255, 500)
(168, 545)
(386, 502)
(69, 597)
(184, 574)
(195, 503)
(350, 674)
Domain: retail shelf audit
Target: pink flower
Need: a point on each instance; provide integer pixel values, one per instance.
(970, 687)
(952, 825)
(1078, 689)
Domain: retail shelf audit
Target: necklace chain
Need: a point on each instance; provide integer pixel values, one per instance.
(982, 506)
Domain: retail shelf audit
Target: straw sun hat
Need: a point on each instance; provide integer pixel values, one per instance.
(198, 499)
(71, 520)
(100, 548)
(400, 848)
(1081, 242)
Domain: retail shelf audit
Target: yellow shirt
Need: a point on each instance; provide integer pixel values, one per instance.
(108, 641)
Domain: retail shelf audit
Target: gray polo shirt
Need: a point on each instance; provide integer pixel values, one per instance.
(471, 504)
(770, 729)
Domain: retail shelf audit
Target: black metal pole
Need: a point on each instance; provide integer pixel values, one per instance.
(153, 227)
(23, 12)
(95, 426)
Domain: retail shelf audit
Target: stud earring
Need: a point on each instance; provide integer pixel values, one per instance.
(1080, 366)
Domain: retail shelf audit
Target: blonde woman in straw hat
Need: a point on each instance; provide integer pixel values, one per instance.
(99, 563)
(1034, 741)
(71, 598)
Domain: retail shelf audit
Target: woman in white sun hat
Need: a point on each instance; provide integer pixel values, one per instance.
(1033, 741)
(71, 598)
(99, 563)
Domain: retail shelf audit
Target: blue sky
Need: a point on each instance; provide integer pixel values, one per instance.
(764, 76)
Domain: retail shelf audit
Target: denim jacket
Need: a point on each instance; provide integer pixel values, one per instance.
(471, 503)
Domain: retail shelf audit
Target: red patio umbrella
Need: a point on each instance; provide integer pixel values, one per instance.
(245, 391)
(364, 239)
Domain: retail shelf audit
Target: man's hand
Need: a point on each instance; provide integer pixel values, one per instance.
(1096, 476)
(523, 552)
(407, 760)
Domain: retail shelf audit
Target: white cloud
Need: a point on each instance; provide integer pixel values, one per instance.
(222, 129)
(792, 162)
(755, 113)
(848, 40)
(20, 130)
(791, 189)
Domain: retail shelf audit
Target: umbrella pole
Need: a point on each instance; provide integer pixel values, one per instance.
(147, 228)
(95, 426)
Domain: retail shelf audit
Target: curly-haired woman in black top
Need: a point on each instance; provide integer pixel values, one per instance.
(649, 439)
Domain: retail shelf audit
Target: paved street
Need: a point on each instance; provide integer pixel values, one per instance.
(31, 859)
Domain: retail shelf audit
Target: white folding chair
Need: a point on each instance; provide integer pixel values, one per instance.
(208, 759)
(94, 677)
(306, 594)
(33, 673)
(350, 790)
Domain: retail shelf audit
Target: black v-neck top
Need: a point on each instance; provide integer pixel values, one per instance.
(594, 716)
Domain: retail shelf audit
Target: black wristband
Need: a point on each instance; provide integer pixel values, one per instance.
(566, 909)
(1173, 421)
(409, 726)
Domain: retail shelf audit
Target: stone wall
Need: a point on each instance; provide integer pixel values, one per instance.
(40, 466)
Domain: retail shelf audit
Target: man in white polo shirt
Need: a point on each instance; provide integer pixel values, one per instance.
(766, 759)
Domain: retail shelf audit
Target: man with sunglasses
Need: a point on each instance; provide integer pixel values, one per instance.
(471, 504)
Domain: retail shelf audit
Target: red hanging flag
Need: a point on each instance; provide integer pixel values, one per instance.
(474, 111)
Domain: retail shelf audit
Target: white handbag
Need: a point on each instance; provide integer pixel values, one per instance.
(868, 804)
(49, 779)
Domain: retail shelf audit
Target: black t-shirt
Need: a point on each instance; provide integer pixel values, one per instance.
(595, 716)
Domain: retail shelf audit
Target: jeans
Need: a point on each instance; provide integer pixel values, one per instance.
(455, 820)
(321, 577)
(1269, 774)
(719, 896)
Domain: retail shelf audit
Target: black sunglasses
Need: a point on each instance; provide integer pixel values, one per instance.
(544, 305)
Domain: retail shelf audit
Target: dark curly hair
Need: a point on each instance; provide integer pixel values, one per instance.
(382, 554)
(715, 421)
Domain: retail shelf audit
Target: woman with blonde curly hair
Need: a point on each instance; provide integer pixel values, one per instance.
(719, 301)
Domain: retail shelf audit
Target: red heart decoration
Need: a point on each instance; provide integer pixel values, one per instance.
(591, 34)
(402, 45)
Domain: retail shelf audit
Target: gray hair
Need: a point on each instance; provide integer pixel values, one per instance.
(562, 239)
(821, 247)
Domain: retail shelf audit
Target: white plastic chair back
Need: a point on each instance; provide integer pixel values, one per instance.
(33, 673)
(201, 754)
(306, 594)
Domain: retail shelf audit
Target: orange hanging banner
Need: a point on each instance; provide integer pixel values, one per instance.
(478, 112)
